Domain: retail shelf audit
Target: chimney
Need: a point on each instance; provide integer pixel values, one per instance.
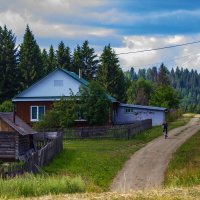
(80, 73)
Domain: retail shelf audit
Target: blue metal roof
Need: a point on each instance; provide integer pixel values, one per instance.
(143, 107)
(71, 74)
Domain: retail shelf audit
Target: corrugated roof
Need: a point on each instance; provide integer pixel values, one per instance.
(20, 126)
(143, 107)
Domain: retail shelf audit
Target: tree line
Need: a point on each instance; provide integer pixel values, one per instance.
(185, 82)
(23, 65)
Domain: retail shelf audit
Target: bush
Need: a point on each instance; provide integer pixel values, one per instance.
(62, 115)
(94, 104)
(173, 114)
(6, 106)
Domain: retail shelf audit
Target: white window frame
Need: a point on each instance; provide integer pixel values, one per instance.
(37, 119)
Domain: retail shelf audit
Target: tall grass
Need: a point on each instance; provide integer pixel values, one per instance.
(30, 185)
(184, 168)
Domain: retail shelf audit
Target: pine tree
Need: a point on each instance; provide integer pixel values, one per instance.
(85, 60)
(30, 60)
(110, 75)
(52, 64)
(9, 82)
(77, 60)
(163, 76)
(90, 62)
(63, 55)
(45, 64)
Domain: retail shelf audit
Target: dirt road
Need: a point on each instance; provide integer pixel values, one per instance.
(145, 169)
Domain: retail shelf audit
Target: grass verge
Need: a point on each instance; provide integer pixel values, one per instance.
(184, 168)
(30, 185)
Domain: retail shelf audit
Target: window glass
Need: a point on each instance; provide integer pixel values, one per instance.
(41, 111)
(34, 113)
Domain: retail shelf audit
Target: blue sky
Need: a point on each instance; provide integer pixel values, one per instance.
(128, 25)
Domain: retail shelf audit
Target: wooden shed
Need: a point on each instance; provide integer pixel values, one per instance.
(16, 138)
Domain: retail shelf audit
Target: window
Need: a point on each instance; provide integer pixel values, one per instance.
(58, 83)
(129, 110)
(37, 112)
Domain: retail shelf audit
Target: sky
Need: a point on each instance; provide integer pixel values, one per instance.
(127, 25)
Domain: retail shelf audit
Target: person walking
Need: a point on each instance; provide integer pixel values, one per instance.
(165, 129)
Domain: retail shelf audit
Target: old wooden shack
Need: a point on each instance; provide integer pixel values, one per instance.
(16, 137)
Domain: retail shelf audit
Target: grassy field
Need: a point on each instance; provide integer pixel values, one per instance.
(83, 165)
(98, 161)
(184, 168)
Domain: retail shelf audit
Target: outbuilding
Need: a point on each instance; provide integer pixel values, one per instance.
(128, 113)
(16, 137)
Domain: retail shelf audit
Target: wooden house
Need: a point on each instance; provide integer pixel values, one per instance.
(36, 100)
(16, 138)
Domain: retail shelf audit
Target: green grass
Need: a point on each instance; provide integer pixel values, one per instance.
(98, 161)
(83, 165)
(184, 168)
(30, 185)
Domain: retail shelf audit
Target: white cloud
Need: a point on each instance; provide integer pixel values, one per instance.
(185, 56)
(17, 22)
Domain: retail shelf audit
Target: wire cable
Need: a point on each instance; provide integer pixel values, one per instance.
(159, 48)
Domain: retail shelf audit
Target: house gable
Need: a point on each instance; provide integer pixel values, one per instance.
(56, 84)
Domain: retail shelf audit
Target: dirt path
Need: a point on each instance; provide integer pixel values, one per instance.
(145, 169)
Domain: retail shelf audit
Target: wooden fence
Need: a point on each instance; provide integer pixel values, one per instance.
(116, 131)
(37, 159)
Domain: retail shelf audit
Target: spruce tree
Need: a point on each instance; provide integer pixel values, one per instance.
(45, 64)
(90, 62)
(52, 64)
(9, 82)
(85, 59)
(63, 55)
(110, 75)
(163, 76)
(30, 60)
(77, 60)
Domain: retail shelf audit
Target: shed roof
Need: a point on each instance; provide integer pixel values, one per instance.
(143, 107)
(20, 126)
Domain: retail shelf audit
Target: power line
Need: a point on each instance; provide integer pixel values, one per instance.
(159, 48)
(167, 61)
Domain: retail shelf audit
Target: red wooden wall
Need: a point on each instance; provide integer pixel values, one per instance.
(23, 109)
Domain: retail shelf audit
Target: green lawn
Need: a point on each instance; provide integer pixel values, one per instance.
(184, 168)
(98, 161)
(83, 165)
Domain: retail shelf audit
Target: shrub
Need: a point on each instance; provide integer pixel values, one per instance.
(94, 104)
(6, 106)
(62, 115)
(173, 114)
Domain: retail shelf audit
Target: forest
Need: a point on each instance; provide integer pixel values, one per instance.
(24, 64)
